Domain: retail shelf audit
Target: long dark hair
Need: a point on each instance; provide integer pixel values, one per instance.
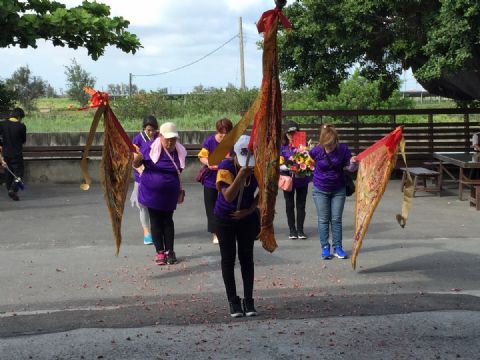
(288, 127)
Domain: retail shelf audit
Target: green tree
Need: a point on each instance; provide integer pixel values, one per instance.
(360, 93)
(27, 87)
(88, 25)
(437, 39)
(77, 79)
(50, 91)
(7, 98)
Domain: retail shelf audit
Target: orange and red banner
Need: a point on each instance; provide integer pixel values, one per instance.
(376, 164)
(266, 112)
(116, 164)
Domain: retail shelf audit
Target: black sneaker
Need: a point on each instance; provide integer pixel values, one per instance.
(301, 235)
(293, 234)
(13, 195)
(171, 258)
(236, 308)
(249, 308)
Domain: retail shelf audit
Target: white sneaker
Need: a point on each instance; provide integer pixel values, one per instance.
(215, 239)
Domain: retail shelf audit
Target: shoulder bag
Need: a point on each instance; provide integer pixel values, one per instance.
(285, 183)
(181, 194)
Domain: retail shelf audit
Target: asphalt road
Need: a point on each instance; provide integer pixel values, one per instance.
(64, 295)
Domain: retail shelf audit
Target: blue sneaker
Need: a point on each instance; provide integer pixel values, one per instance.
(326, 253)
(339, 253)
(147, 239)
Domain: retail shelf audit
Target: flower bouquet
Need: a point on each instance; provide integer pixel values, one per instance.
(300, 163)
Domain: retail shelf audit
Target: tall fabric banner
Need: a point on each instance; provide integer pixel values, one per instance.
(266, 112)
(116, 164)
(376, 164)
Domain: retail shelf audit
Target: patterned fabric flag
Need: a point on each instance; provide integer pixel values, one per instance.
(375, 167)
(266, 111)
(115, 167)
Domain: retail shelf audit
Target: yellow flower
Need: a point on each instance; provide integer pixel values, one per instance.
(282, 160)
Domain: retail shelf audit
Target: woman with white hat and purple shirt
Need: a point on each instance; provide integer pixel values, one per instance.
(163, 159)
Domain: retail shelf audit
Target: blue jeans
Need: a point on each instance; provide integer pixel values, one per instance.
(329, 214)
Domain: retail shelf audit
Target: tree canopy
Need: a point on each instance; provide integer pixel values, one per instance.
(88, 25)
(26, 87)
(437, 39)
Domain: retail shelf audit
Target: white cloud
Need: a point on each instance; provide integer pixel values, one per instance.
(173, 33)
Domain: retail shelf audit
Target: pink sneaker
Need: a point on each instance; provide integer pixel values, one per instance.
(161, 258)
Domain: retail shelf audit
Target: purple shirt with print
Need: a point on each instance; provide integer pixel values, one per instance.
(330, 178)
(139, 140)
(159, 183)
(210, 144)
(298, 182)
(224, 209)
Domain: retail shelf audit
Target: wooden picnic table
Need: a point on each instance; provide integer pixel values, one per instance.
(464, 160)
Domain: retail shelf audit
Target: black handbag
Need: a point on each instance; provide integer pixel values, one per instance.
(349, 183)
(202, 173)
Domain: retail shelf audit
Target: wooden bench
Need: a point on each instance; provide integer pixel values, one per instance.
(420, 177)
(441, 167)
(475, 196)
(61, 152)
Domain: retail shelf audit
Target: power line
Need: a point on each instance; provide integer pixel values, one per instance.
(193, 62)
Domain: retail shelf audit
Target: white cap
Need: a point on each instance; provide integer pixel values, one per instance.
(241, 151)
(169, 130)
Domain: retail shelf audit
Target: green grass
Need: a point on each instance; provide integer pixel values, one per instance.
(61, 115)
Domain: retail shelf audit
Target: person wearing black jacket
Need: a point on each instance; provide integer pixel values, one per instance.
(14, 134)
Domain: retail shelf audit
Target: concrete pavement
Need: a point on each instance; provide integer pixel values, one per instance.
(65, 295)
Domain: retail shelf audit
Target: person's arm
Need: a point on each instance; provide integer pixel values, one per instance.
(353, 165)
(137, 159)
(231, 192)
(203, 157)
(240, 214)
(24, 134)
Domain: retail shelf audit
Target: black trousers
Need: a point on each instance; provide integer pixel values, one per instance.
(290, 206)
(241, 234)
(162, 228)
(15, 164)
(209, 198)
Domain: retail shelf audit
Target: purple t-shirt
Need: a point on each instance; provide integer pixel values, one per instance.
(330, 178)
(208, 146)
(225, 176)
(139, 139)
(159, 183)
(298, 182)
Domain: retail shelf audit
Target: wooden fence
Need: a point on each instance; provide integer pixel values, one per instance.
(422, 139)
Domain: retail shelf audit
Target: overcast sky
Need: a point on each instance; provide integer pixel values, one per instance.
(173, 33)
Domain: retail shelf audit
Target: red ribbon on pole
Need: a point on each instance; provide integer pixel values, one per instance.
(268, 17)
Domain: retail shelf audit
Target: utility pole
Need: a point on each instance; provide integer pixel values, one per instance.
(130, 85)
(242, 68)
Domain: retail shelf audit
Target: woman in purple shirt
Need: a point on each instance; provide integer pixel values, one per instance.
(163, 159)
(210, 192)
(237, 224)
(149, 132)
(331, 158)
(300, 186)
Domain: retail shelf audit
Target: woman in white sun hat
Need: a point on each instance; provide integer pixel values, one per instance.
(160, 186)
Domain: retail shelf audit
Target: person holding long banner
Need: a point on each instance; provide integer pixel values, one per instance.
(266, 114)
(237, 224)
